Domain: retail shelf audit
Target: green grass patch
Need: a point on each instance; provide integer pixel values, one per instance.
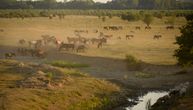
(65, 64)
(144, 75)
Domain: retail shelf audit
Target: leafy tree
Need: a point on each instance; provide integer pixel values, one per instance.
(185, 52)
(171, 21)
(148, 19)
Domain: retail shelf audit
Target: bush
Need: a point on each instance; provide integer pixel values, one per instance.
(158, 15)
(132, 62)
(185, 52)
(148, 19)
(49, 75)
(130, 17)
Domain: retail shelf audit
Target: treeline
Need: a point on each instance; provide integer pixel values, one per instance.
(90, 4)
(130, 15)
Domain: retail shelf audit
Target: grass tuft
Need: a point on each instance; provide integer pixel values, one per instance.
(65, 64)
(144, 75)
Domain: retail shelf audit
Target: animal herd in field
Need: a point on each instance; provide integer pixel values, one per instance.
(37, 48)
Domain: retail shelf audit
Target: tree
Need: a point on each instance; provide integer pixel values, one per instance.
(171, 21)
(184, 54)
(148, 19)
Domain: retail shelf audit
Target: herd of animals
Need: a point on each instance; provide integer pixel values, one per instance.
(36, 48)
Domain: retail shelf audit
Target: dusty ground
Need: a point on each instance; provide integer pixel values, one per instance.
(142, 46)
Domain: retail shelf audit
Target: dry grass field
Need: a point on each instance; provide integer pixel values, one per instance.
(142, 46)
(97, 78)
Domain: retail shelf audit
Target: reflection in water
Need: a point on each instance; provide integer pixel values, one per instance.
(150, 96)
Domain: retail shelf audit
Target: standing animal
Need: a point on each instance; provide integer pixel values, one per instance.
(21, 41)
(80, 48)
(148, 27)
(38, 53)
(157, 36)
(9, 55)
(170, 27)
(99, 45)
(108, 36)
(129, 37)
(72, 39)
(35, 44)
(138, 28)
(67, 46)
(48, 39)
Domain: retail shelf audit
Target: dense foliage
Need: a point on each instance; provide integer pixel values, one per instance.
(90, 4)
(185, 52)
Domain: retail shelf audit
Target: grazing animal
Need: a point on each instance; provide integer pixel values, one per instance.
(35, 44)
(132, 31)
(67, 46)
(148, 27)
(80, 48)
(138, 28)
(48, 39)
(9, 55)
(129, 37)
(72, 39)
(96, 31)
(106, 28)
(157, 36)
(41, 53)
(58, 43)
(108, 36)
(99, 45)
(95, 40)
(170, 27)
(22, 42)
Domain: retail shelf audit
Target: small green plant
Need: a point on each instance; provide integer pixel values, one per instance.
(50, 75)
(131, 59)
(132, 62)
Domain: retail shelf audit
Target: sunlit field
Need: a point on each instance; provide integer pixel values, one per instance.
(142, 45)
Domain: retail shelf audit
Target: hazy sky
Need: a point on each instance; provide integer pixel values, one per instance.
(103, 1)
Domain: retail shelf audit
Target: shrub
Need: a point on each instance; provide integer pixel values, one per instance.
(132, 62)
(49, 75)
(184, 54)
(148, 19)
(130, 17)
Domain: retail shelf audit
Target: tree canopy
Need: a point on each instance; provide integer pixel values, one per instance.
(185, 52)
(90, 4)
